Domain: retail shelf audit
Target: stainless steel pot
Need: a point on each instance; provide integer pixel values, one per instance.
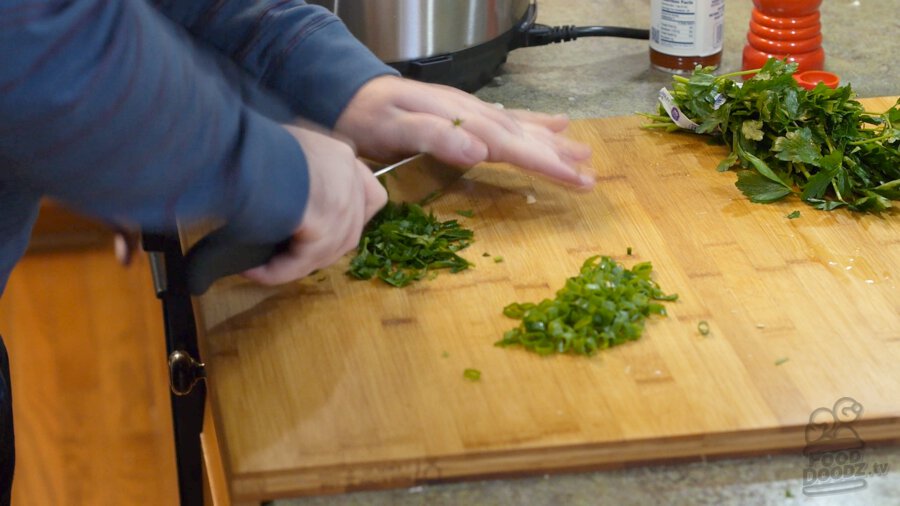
(455, 42)
(403, 30)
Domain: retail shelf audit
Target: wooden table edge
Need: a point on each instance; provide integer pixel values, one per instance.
(269, 485)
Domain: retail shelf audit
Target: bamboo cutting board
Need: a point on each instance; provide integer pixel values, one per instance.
(331, 384)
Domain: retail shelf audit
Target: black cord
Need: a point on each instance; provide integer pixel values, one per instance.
(612, 31)
(540, 35)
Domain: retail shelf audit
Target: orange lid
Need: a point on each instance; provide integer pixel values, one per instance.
(811, 78)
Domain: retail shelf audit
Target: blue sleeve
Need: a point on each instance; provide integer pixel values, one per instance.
(111, 108)
(302, 52)
(18, 211)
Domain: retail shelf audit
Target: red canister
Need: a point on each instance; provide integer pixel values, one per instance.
(785, 29)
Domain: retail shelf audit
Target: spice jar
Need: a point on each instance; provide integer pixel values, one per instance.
(686, 33)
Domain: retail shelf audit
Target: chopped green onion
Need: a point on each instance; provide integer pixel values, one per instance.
(781, 360)
(472, 374)
(795, 214)
(703, 328)
(465, 212)
(498, 259)
(629, 251)
(605, 305)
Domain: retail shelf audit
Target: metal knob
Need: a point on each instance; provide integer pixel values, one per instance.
(184, 372)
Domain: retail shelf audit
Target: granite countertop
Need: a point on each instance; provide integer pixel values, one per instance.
(598, 77)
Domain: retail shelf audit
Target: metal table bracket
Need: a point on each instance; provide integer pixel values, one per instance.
(188, 393)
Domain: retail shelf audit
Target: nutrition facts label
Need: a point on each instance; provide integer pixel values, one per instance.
(687, 27)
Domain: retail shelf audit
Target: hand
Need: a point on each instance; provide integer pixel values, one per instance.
(343, 197)
(390, 117)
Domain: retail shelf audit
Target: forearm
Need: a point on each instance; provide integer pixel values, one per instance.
(301, 51)
(105, 106)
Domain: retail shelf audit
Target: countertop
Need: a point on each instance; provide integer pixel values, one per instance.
(599, 77)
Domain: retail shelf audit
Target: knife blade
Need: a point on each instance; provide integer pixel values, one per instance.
(418, 178)
(377, 172)
(221, 253)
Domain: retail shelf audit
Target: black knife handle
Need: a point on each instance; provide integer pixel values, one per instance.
(221, 254)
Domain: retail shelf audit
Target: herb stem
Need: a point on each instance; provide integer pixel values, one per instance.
(737, 74)
(655, 117)
(837, 190)
(869, 141)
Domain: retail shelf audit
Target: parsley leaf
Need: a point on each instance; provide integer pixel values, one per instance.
(759, 189)
(727, 162)
(816, 185)
(762, 168)
(752, 129)
(797, 146)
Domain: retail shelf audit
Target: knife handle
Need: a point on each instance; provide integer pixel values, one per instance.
(221, 254)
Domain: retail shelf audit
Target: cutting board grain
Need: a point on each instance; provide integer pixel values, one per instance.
(331, 384)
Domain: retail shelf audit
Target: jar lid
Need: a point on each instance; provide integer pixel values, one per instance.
(810, 78)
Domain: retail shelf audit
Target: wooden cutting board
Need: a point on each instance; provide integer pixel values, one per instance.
(331, 384)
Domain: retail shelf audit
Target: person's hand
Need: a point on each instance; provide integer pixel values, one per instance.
(343, 197)
(390, 117)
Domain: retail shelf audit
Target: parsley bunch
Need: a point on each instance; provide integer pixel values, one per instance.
(604, 305)
(402, 243)
(819, 144)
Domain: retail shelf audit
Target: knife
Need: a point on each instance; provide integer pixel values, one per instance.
(222, 253)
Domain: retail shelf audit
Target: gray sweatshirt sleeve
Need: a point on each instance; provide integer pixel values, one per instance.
(113, 109)
(300, 51)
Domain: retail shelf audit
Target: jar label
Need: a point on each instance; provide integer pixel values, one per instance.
(687, 27)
